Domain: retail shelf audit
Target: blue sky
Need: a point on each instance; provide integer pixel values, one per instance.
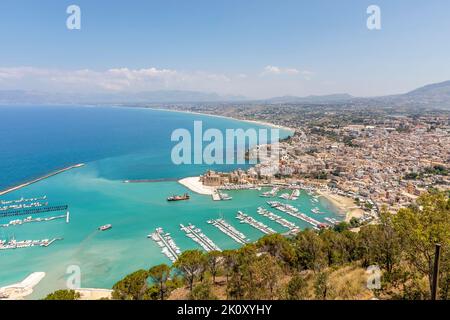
(256, 48)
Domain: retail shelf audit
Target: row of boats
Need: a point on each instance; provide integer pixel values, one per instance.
(240, 187)
(293, 228)
(244, 218)
(292, 211)
(229, 230)
(199, 237)
(30, 219)
(291, 196)
(22, 200)
(270, 194)
(24, 206)
(14, 244)
(224, 196)
(170, 249)
(167, 244)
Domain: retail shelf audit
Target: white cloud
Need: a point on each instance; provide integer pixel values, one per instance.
(116, 79)
(273, 70)
(272, 81)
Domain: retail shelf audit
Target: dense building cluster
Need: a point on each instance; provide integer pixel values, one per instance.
(381, 156)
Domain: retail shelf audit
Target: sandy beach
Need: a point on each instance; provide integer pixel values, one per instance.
(195, 185)
(262, 123)
(345, 205)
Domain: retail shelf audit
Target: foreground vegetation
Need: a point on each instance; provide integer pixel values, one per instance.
(327, 265)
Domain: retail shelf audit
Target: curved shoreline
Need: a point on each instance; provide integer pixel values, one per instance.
(258, 122)
(345, 205)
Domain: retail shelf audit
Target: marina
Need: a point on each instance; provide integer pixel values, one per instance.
(244, 218)
(292, 196)
(270, 194)
(30, 219)
(292, 211)
(229, 230)
(224, 196)
(197, 236)
(14, 244)
(28, 212)
(167, 244)
(24, 206)
(293, 228)
(22, 200)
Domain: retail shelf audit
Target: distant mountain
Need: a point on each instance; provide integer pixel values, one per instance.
(331, 98)
(435, 95)
(431, 96)
(162, 96)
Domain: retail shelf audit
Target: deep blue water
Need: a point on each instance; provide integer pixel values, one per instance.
(37, 140)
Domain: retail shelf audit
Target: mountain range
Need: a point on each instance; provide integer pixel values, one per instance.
(434, 95)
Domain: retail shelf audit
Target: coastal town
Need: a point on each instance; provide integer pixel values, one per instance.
(363, 161)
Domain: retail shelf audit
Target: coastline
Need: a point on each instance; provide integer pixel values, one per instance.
(258, 122)
(345, 205)
(195, 185)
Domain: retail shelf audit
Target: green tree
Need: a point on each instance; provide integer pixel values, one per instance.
(63, 295)
(321, 286)
(297, 288)
(133, 287)
(264, 275)
(241, 278)
(309, 249)
(229, 261)
(422, 226)
(191, 264)
(277, 246)
(202, 291)
(160, 274)
(335, 247)
(213, 260)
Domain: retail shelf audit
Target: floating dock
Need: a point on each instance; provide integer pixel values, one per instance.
(254, 223)
(196, 235)
(229, 230)
(26, 184)
(22, 200)
(14, 244)
(14, 213)
(20, 222)
(167, 244)
(293, 228)
(290, 210)
(23, 206)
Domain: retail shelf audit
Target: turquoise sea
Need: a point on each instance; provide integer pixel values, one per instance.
(116, 144)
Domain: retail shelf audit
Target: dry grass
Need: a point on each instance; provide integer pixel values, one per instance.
(346, 283)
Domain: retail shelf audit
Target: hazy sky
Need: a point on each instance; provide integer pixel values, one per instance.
(256, 48)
